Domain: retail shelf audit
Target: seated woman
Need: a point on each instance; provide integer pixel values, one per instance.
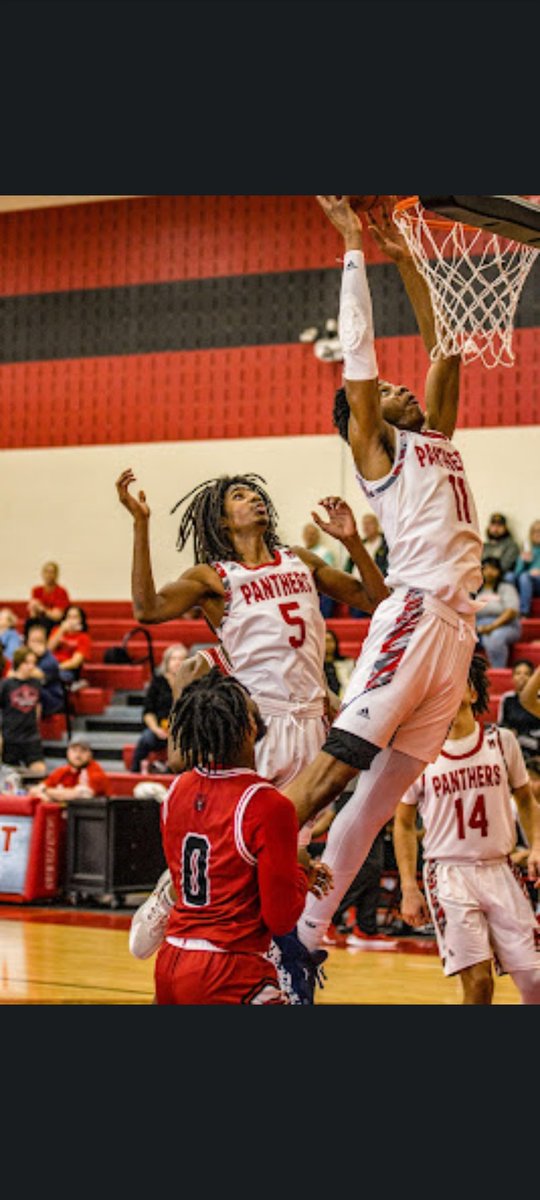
(497, 623)
(70, 643)
(157, 705)
(48, 601)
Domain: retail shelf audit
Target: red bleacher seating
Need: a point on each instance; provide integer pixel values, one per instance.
(90, 701)
(116, 676)
(154, 756)
(53, 729)
(530, 650)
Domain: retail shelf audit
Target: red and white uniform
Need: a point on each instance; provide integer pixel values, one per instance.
(412, 671)
(230, 840)
(465, 802)
(273, 634)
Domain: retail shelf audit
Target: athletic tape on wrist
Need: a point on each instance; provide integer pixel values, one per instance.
(356, 332)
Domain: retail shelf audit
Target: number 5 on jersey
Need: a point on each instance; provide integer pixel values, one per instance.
(291, 618)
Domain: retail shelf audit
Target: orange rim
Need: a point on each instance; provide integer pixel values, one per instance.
(433, 222)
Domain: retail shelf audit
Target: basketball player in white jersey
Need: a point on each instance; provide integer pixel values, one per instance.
(413, 666)
(478, 904)
(262, 601)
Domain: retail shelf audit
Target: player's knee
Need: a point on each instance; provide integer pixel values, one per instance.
(350, 749)
(528, 984)
(477, 983)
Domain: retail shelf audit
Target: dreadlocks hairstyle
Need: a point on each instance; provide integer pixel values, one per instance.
(479, 681)
(204, 518)
(341, 414)
(209, 721)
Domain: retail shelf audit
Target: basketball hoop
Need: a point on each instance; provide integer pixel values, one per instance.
(475, 279)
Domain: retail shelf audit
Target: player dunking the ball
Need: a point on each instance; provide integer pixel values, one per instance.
(413, 667)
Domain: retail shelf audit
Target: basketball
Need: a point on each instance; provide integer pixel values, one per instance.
(364, 203)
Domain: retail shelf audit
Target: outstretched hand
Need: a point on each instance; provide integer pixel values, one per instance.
(343, 218)
(137, 506)
(341, 523)
(386, 233)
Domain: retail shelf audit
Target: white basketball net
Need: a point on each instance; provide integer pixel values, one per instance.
(475, 280)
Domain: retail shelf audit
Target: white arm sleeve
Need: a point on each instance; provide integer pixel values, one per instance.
(356, 320)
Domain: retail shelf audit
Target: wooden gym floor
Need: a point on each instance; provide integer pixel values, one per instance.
(71, 956)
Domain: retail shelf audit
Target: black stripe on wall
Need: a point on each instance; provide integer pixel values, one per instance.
(202, 314)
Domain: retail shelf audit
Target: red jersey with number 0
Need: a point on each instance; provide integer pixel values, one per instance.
(230, 840)
(464, 797)
(272, 629)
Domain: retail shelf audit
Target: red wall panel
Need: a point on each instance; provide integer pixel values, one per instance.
(158, 238)
(260, 391)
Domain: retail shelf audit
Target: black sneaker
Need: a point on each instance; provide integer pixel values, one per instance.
(299, 969)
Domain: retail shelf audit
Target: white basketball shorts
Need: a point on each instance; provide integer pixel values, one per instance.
(411, 675)
(480, 911)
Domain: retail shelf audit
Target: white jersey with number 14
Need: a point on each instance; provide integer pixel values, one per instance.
(465, 800)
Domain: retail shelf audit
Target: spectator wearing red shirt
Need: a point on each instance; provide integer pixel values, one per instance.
(70, 643)
(80, 778)
(48, 601)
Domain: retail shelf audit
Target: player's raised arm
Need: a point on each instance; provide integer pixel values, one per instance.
(150, 605)
(365, 593)
(367, 429)
(442, 379)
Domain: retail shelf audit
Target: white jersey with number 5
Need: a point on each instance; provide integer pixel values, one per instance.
(428, 517)
(465, 800)
(273, 632)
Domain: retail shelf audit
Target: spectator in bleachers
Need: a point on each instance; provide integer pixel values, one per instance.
(375, 542)
(46, 671)
(519, 710)
(527, 570)
(497, 623)
(10, 639)
(20, 705)
(71, 644)
(48, 601)
(500, 544)
(157, 705)
(80, 778)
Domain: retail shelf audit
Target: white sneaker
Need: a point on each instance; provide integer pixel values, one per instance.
(149, 923)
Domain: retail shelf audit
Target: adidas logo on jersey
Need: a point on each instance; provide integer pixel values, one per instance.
(364, 712)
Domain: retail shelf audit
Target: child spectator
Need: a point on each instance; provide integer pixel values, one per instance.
(47, 600)
(527, 571)
(157, 705)
(70, 643)
(80, 778)
(46, 671)
(500, 544)
(9, 638)
(20, 697)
